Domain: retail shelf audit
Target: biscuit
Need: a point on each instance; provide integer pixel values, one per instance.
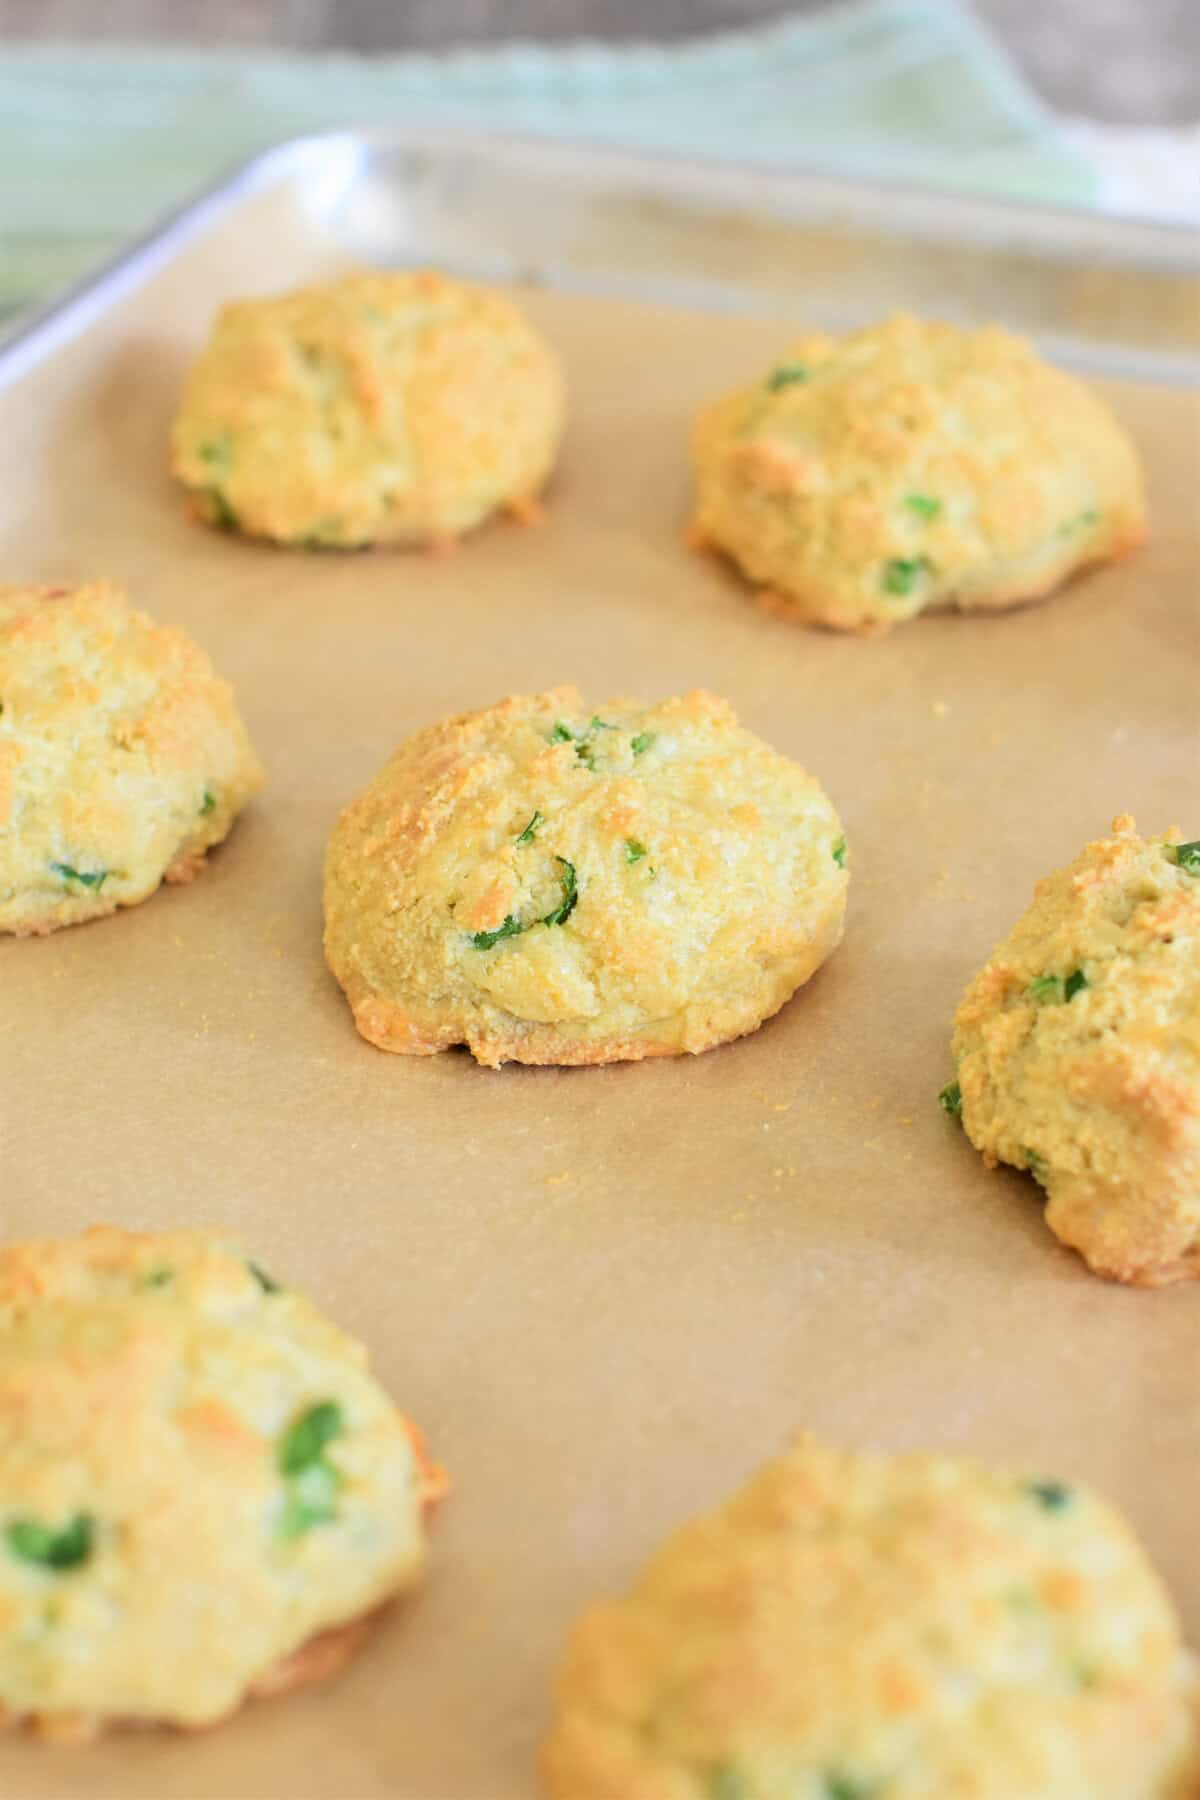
(1078, 1054)
(548, 883)
(122, 756)
(917, 1627)
(869, 477)
(375, 409)
(203, 1492)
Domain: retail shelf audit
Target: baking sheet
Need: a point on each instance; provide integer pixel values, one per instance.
(1110, 295)
(606, 1293)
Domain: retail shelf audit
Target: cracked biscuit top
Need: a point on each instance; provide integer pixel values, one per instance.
(552, 881)
(123, 757)
(863, 479)
(379, 408)
(869, 1627)
(1078, 1054)
(198, 1475)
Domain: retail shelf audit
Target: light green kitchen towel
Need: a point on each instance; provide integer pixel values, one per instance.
(95, 143)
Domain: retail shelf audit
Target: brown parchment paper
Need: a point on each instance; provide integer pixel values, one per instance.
(607, 1294)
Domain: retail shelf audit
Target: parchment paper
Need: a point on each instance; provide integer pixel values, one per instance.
(607, 1294)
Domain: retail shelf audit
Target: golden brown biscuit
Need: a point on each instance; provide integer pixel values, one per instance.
(123, 758)
(866, 478)
(1078, 1053)
(203, 1492)
(551, 884)
(375, 409)
(861, 1627)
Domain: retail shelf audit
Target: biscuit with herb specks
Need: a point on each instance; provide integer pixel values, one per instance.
(204, 1494)
(123, 758)
(1078, 1054)
(869, 1627)
(864, 479)
(380, 408)
(550, 882)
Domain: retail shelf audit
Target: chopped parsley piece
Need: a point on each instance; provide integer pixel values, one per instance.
(312, 1500)
(924, 505)
(582, 740)
(223, 515)
(1045, 989)
(585, 749)
(838, 853)
(642, 742)
(216, 453)
(312, 1482)
(558, 915)
(512, 927)
(724, 1783)
(263, 1279)
(901, 575)
(570, 894)
(634, 850)
(156, 1278)
(1052, 1495)
(1185, 856)
(844, 1787)
(64, 1549)
(530, 831)
(303, 1443)
(1035, 1164)
(950, 1099)
(786, 375)
(1078, 522)
(88, 878)
(208, 804)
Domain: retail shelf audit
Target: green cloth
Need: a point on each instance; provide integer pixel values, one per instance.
(95, 143)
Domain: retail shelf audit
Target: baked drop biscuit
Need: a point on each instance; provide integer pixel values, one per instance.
(864, 479)
(1078, 1054)
(123, 758)
(865, 1627)
(380, 408)
(204, 1494)
(549, 882)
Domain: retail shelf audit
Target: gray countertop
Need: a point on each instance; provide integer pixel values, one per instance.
(1133, 61)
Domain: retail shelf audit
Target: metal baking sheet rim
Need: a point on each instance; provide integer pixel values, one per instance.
(338, 157)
